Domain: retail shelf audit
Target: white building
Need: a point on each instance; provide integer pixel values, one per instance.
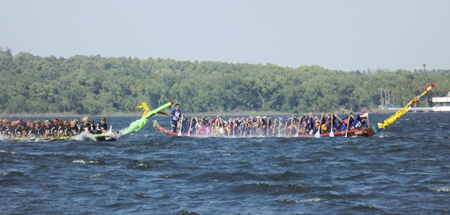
(441, 103)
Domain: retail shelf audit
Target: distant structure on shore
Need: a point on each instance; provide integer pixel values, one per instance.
(441, 103)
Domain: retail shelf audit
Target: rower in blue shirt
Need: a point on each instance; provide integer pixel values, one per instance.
(360, 122)
(176, 115)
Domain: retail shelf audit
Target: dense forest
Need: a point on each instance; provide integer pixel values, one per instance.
(99, 85)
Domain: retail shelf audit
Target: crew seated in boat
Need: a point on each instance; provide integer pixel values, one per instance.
(343, 125)
(345, 122)
(30, 128)
(102, 124)
(84, 127)
(247, 128)
(310, 122)
(316, 126)
(360, 122)
(19, 130)
(194, 125)
(48, 129)
(186, 125)
(73, 128)
(56, 128)
(91, 126)
(229, 127)
(102, 130)
(292, 125)
(60, 129)
(201, 126)
(67, 132)
(270, 128)
(326, 125)
(37, 129)
(8, 129)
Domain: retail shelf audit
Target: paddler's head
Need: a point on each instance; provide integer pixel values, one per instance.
(84, 120)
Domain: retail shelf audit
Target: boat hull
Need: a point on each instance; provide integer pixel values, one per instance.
(97, 137)
(350, 133)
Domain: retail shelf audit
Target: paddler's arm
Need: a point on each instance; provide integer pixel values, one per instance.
(337, 117)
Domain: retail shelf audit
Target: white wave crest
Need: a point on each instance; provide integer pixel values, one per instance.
(96, 175)
(12, 152)
(311, 200)
(445, 189)
(79, 161)
(85, 135)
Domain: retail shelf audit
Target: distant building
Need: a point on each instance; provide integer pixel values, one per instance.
(441, 103)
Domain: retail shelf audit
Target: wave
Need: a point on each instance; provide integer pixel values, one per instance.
(9, 152)
(97, 175)
(444, 189)
(79, 161)
(292, 201)
(11, 174)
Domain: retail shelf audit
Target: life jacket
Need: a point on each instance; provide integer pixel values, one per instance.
(324, 127)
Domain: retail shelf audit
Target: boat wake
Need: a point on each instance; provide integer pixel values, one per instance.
(85, 136)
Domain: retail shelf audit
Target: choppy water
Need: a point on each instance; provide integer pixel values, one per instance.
(403, 170)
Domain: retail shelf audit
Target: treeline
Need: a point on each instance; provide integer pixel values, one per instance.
(99, 85)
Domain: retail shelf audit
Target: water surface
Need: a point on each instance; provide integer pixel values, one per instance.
(403, 170)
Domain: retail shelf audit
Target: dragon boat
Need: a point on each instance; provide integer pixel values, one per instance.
(364, 132)
(109, 135)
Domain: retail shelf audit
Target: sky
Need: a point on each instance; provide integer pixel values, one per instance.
(345, 35)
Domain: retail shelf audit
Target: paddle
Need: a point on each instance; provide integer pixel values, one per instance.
(279, 127)
(261, 127)
(348, 124)
(285, 127)
(245, 127)
(298, 127)
(190, 124)
(234, 122)
(331, 130)
(317, 135)
(210, 127)
(181, 125)
(163, 113)
(341, 121)
(199, 126)
(272, 127)
(216, 126)
(291, 126)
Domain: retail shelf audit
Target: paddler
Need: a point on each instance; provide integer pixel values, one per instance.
(360, 122)
(102, 124)
(176, 115)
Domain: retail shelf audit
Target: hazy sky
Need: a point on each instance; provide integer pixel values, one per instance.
(335, 34)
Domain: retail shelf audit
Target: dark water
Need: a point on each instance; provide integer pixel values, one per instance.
(403, 170)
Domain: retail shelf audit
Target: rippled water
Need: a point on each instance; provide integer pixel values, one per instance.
(403, 170)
